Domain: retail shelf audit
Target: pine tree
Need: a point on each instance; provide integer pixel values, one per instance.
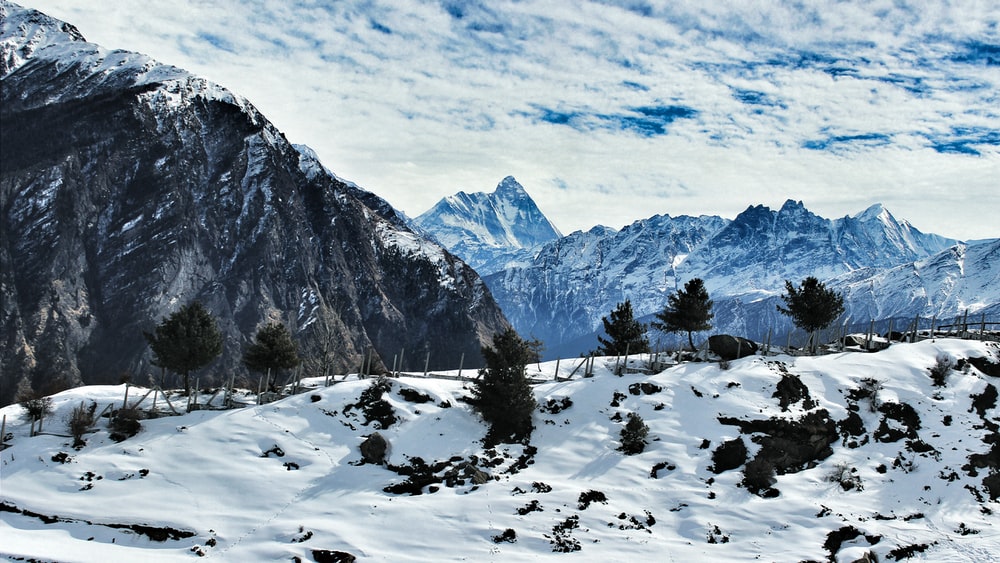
(687, 310)
(185, 341)
(502, 394)
(273, 349)
(812, 306)
(633, 435)
(625, 334)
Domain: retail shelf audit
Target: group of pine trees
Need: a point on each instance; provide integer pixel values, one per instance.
(189, 339)
(811, 306)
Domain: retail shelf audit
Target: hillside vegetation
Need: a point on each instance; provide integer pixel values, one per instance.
(776, 458)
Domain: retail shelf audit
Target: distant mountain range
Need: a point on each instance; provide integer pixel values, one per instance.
(129, 188)
(884, 266)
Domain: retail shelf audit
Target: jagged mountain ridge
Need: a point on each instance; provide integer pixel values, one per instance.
(561, 294)
(129, 188)
(488, 230)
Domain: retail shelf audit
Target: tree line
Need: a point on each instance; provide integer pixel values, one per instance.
(810, 305)
(189, 339)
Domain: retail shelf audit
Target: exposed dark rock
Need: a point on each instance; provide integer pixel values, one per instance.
(852, 426)
(374, 448)
(331, 556)
(791, 445)
(846, 533)
(731, 347)
(791, 390)
(588, 497)
(729, 455)
(907, 418)
(414, 396)
(986, 365)
(992, 485)
(985, 400)
(644, 388)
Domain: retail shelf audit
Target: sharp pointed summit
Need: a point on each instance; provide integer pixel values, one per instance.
(488, 229)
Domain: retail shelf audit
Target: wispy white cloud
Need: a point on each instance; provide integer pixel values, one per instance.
(613, 111)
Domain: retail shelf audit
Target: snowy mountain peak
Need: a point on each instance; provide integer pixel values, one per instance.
(23, 32)
(876, 212)
(510, 187)
(486, 229)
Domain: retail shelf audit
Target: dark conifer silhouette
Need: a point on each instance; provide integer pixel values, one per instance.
(687, 310)
(625, 334)
(185, 341)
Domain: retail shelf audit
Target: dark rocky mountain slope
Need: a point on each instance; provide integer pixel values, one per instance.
(129, 188)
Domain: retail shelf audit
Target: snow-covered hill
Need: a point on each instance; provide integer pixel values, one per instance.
(489, 230)
(911, 472)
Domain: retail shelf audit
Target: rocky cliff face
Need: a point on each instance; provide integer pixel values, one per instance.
(130, 188)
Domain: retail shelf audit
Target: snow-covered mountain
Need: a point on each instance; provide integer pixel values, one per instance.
(870, 459)
(489, 230)
(129, 188)
(561, 295)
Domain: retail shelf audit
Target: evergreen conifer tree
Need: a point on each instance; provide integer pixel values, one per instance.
(273, 349)
(811, 306)
(185, 341)
(687, 310)
(633, 435)
(625, 334)
(502, 394)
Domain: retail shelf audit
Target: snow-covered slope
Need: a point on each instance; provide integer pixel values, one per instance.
(489, 230)
(965, 277)
(285, 480)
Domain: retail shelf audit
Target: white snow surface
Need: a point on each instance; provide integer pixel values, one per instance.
(207, 473)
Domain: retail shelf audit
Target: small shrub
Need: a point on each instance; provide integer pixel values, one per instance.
(942, 365)
(847, 476)
(870, 388)
(81, 419)
(375, 408)
(758, 476)
(633, 436)
(36, 405)
(125, 424)
(508, 535)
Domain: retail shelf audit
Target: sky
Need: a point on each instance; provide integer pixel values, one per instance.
(613, 111)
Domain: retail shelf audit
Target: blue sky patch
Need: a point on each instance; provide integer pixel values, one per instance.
(978, 52)
(837, 142)
(646, 121)
(965, 140)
